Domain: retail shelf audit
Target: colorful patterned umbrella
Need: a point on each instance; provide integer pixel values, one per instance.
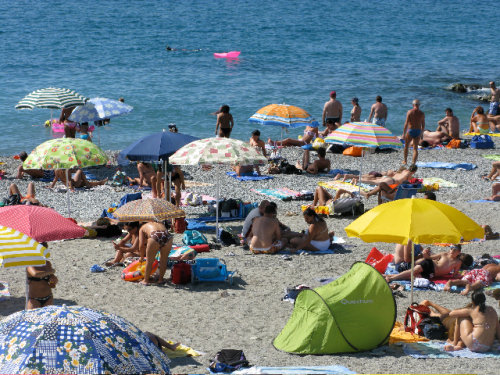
(363, 134)
(65, 153)
(53, 98)
(96, 109)
(40, 223)
(286, 116)
(76, 340)
(218, 151)
(19, 250)
(148, 210)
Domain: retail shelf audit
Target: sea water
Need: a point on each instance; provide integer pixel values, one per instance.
(292, 52)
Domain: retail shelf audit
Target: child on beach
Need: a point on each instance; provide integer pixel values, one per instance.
(84, 132)
(129, 246)
(41, 280)
(476, 279)
(154, 237)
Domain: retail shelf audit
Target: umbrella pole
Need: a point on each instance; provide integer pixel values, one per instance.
(67, 192)
(166, 185)
(412, 270)
(217, 205)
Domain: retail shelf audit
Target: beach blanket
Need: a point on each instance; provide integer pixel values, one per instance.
(180, 351)
(253, 177)
(333, 249)
(140, 188)
(482, 201)
(88, 175)
(436, 180)
(398, 334)
(336, 185)
(441, 165)
(283, 194)
(435, 349)
(333, 369)
(4, 290)
(490, 134)
(190, 183)
(437, 285)
(199, 225)
(492, 157)
(204, 198)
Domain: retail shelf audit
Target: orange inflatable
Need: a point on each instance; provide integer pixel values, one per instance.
(135, 270)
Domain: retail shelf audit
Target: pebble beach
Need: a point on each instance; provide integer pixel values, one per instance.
(249, 314)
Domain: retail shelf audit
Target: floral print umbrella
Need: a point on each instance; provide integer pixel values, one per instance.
(65, 153)
(217, 151)
(76, 340)
(96, 109)
(148, 210)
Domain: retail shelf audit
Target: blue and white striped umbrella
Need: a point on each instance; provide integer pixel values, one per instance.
(97, 109)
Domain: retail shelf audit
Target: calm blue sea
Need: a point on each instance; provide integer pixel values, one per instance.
(292, 52)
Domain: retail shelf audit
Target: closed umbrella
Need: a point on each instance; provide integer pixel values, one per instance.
(20, 250)
(65, 153)
(76, 340)
(422, 221)
(148, 210)
(217, 151)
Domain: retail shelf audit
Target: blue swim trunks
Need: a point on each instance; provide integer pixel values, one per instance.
(414, 133)
(379, 121)
(493, 108)
(48, 174)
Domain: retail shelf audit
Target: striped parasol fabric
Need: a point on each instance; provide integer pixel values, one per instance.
(363, 134)
(148, 210)
(53, 98)
(286, 116)
(19, 250)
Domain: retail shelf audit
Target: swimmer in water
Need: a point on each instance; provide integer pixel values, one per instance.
(168, 48)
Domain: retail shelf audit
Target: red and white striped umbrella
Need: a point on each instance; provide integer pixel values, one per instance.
(40, 223)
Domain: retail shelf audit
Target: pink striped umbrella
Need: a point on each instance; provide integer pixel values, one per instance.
(363, 134)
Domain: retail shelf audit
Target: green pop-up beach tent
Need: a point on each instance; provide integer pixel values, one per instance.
(354, 313)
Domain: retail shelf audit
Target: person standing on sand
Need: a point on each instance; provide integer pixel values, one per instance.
(378, 112)
(332, 110)
(225, 122)
(356, 110)
(449, 125)
(154, 237)
(41, 281)
(495, 98)
(413, 129)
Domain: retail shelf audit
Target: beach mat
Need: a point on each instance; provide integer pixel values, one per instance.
(332, 369)
(435, 349)
(253, 177)
(181, 351)
(492, 157)
(336, 185)
(88, 175)
(190, 183)
(490, 134)
(200, 226)
(283, 194)
(437, 180)
(482, 201)
(398, 334)
(441, 165)
(212, 219)
(335, 248)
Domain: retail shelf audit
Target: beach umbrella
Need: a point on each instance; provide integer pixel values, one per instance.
(53, 98)
(218, 151)
(98, 109)
(152, 209)
(422, 221)
(65, 153)
(20, 250)
(40, 223)
(156, 147)
(76, 340)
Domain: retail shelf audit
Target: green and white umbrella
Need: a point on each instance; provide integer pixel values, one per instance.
(65, 153)
(217, 151)
(52, 98)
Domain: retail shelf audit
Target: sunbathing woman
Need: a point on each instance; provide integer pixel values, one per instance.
(476, 278)
(41, 280)
(310, 133)
(77, 180)
(321, 165)
(147, 178)
(129, 246)
(316, 237)
(476, 326)
(324, 198)
(479, 122)
(154, 237)
(389, 177)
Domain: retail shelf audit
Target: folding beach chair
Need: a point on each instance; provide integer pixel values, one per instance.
(404, 191)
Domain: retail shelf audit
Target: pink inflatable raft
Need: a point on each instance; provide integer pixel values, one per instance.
(227, 55)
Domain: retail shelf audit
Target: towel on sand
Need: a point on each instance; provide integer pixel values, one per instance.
(435, 349)
(492, 157)
(181, 351)
(333, 369)
(482, 201)
(490, 134)
(279, 193)
(253, 177)
(336, 185)
(398, 334)
(436, 180)
(4, 290)
(441, 165)
(88, 175)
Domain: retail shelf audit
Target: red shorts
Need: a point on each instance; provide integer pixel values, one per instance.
(476, 275)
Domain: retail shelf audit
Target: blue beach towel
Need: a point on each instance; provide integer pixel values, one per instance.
(435, 349)
(333, 370)
(88, 175)
(441, 165)
(482, 201)
(200, 226)
(253, 177)
(125, 199)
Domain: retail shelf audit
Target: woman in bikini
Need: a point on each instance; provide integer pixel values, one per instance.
(41, 280)
(479, 122)
(154, 237)
(225, 122)
(310, 133)
(356, 110)
(316, 237)
(129, 246)
(476, 326)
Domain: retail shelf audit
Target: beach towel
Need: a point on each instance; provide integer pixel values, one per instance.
(398, 334)
(199, 226)
(435, 349)
(189, 184)
(492, 157)
(333, 369)
(4, 290)
(180, 351)
(284, 194)
(482, 201)
(436, 180)
(141, 188)
(212, 219)
(441, 165)
(125, 199)
(490, 134)
(336, 185)
(253, 177)
(333, 249)
(88, 175)
(437, 285)
(204, 198)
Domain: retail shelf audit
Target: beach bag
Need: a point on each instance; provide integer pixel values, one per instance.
(193, 237)
(433, 329)
(378, 260)
(345, 206)
(482, 142)
(353, 151)
(181, 273)
(229, 208)
(119, 179)
(180, 225)
(454, 143)
(228, 360)
(415, 314)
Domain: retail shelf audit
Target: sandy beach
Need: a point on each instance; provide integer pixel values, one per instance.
(249, 314)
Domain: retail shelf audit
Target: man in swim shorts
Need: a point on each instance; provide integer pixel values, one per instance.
(378, 112)
(266, 233)
(413, 129)
(332, 110)
(495, 98)
(450, 125)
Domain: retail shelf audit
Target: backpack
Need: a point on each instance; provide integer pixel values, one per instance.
(181, 273)
(483, 141)
(415, 314)
(433, 329)
(228, 360)
(180, 225)
(454, 143)
(193, 237)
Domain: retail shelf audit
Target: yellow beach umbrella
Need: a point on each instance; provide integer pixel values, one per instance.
(19, 250)
(422, 221)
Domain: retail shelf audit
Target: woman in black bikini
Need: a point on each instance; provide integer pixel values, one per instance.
(41, 280)
(154, 237)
